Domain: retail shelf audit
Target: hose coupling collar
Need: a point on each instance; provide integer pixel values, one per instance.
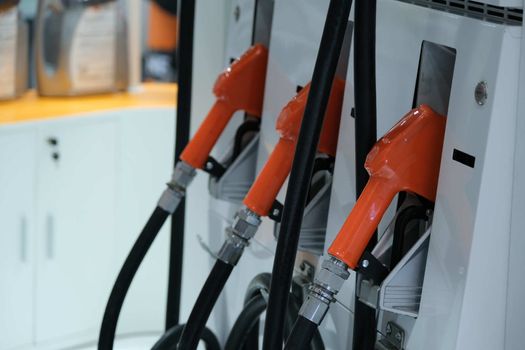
(245, 224)
(170, 199)
(183, 175)
(238, 235)
(322, 292)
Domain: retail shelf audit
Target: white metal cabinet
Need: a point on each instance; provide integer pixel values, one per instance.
(76, 225)
(17, 168)
(145, 162)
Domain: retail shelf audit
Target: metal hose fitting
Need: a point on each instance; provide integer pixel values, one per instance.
(182, 177)
(322, 292)
(238, 235)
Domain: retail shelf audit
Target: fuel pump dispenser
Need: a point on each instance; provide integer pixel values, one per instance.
(408, 159)
(260, 200)
(13, 51)
(239, 88)
(81, 47)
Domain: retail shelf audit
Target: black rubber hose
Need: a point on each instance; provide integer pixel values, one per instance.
(203, 306)
(302, 333)
(301, 173)
(125, 277)
(169, 340)
(365, 82)
(246, 323)
(185, 32)
(364, 328)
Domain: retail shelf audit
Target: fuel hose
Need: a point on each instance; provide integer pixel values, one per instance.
(299, 182)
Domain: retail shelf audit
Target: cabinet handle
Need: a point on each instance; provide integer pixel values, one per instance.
(23, 239)
(50, 237)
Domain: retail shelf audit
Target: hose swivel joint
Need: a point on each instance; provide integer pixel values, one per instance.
(322, 292)
(183, 175)
(243, 228)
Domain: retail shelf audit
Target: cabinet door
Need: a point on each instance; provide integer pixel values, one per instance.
(76, 201)
(17, 175)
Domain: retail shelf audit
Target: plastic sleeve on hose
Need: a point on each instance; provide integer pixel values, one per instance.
(266, 187)
(302, 333)
(198, 149)
(204, 305)
(357, 230)
(125, 277)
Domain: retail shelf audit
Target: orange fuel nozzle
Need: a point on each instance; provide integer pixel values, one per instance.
(407, 158)
(264, 190)
(238, 88)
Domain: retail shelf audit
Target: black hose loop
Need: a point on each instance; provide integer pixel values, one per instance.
(245, 323)
(169, 340)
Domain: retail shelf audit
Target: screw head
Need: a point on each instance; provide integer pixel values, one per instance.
(480, 93)
(398, 336)
(275, 212)
(209, 166)
(237, 13)
(365, 263)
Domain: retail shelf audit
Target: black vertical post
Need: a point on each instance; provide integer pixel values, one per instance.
(365, 135)
(186, 21)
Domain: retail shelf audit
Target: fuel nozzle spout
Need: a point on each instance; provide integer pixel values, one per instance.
(239, 88)
(407, 158)
(264, 190)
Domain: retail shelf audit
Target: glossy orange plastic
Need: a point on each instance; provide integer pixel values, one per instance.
(239, 88)
(264, 190)
(407, 158)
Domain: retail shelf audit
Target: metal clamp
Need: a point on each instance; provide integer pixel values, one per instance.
(243, 228)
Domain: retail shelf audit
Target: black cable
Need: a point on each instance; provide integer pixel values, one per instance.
(246, 324)
(258, 285)
(182, 134)
(203, 306)
(406, 216)
(170, 338)
(364, 329)
(125, 277)
(300, 176)
(240, 135)
(302, 333)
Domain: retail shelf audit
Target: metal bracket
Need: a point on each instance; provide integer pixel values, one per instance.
(393, 339)
(276, 211)
(370, 267)
(214, 168)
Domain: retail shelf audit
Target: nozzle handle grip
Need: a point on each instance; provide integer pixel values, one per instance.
(266, 187)
(197, 151)
(352, 240)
